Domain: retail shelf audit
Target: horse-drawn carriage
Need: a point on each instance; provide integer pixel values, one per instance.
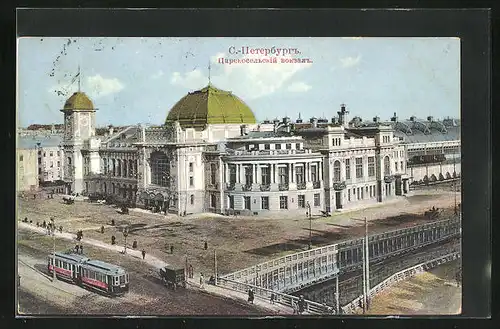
(68, 199)
(173, 277)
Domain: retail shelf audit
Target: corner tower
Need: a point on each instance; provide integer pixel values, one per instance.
(79, 126)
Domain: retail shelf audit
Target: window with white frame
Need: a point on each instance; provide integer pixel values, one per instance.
(371, 166)
(347, 169)
(283, 202)
(317, 199)
(359, 167)
(336, 171)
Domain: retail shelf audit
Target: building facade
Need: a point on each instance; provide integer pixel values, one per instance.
(211, 155)
(27, 178)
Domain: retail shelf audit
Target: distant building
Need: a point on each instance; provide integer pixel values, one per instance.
(27, 177)
(49, 156)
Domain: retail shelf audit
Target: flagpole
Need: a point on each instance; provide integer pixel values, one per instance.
(79, 85)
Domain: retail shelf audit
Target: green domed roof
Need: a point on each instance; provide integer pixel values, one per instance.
(78, 101)
(210, 106)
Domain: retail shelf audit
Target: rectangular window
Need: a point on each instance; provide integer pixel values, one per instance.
(191, 181)
(58, 163)
(299, 174)
(314, 173)
(51, 164)
(347, 169)
(396, 166)
(58, 153)
(371, 166)
(248, 175)
(265, 202)
(267, 146)
(231, 202)
(51, 154)
(44, 154)
(283, 202)
(288, 146)
(278, 146)
(283, 175)
(247, 202)
(265, 175)
(191, 167)
(348, 195)
(297, 146)
(213, 173)
(317, 200)
(301, 200)
(21, 158)
(39, 160)
(402, 168)
(359, 167)
(232, 174)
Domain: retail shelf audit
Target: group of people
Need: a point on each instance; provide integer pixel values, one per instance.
(79, 249)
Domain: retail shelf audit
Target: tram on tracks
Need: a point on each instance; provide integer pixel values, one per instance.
(96, 275)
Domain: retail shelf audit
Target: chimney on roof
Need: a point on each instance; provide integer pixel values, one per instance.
(394, 118)
(314, 122)
(299, 120)
(342, 114)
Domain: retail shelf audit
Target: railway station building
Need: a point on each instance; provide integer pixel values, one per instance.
(212, 155)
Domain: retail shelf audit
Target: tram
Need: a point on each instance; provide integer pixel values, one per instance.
(97, 275)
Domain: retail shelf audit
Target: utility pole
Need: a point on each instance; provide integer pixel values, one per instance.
(337, 295)
(54, 248)
(367, 271)
(310, 224)
(215, 266)
(364, 278)
(125, 234)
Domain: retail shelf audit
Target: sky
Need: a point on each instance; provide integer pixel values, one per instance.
(138, 80)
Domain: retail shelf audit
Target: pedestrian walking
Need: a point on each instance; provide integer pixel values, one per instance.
(81, 249)
(301, 304)
(202, 281)
(171, 249)
(250, 295)
(143, 254)
(191, 272)
(76, 249)
(206, 245)
(273, 297)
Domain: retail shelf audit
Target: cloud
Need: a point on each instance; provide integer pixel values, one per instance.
(348, 62)
(157, 75)
(299, 87)
(191, 80)
(247, 80)
(95, 86)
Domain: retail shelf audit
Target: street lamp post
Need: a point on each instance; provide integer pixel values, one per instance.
(366, 267)
(54, 248)
(310, 224)
(125, 234)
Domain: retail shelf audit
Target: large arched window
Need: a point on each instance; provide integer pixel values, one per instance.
(336, 171)
(119, 167)
(131, 168)
(387, 166)
(113, 166)
(160, 173)
(125, 168)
